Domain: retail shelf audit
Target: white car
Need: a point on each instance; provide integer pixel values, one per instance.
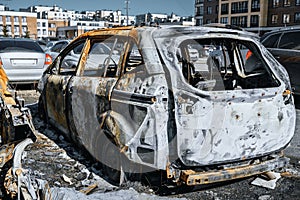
(23, 60)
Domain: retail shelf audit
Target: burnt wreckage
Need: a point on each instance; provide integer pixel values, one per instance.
(198, 104)
(17, 132)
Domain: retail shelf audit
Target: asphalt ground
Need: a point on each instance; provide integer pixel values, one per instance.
(293, 150)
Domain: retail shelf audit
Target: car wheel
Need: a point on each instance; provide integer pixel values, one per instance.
(111, 160)
(42, 109)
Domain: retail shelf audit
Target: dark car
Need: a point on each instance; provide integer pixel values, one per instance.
(147, 104)
(284, 44)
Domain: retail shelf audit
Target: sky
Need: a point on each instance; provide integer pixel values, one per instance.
(180, 7)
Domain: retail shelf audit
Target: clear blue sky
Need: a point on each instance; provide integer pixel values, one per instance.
(179, 7)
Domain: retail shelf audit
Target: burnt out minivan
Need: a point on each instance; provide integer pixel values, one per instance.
(137, 102)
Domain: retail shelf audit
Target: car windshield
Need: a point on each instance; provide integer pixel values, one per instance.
(17, 46)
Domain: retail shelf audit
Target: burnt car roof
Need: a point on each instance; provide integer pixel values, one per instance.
(168, 31)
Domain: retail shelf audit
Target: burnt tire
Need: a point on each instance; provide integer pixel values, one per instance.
(111, 161)
(42, 110)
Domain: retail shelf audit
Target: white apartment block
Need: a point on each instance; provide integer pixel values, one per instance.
(42, 28)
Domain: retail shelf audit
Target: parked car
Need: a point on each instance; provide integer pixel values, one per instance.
(156, 111)
(49, 44)
(284, 45)
(23, 60)
(193, 53)
(55, 47)
(42, 44)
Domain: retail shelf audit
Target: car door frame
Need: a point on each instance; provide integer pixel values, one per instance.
(56, 89)
(96, 95)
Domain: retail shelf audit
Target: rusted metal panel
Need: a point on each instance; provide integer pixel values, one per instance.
(190, 177)
(16, 127)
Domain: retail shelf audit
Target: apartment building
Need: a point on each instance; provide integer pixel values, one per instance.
(283, 13)
(17, 24)
(246, 14)
(256, 15)
(199, 12)
(211, 12)
(75, 28)
(149, 18)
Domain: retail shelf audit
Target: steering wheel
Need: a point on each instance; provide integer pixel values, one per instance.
(106, 64)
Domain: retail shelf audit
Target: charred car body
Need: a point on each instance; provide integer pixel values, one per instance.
(17, 132)
(225, 115)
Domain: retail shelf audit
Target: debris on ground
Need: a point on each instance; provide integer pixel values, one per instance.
(268, 181)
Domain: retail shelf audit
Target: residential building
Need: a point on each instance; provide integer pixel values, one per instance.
(245, 14)
(17, 24)
(53, 25)
(211, 11)
(131, 20)
(42, 28)
(150, 18)
(283, 13)
(164, 19)
(199, 12)
(75, 28)
(254, 15)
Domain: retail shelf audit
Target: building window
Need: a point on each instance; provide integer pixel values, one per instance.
(24, 19)
(16, 19)
(224, 20)
(297, 2)
(274, 19)
(199, 11)
(51, 25)
(275, 3)
(208, 21)
(8, 19)
(254, 21)
(255, 6)
(24, 29)
(286, 2)
(44, 24)
(286, 18)
(239, 21)
(199, 22)
(199, 1)
(17, 29)
(224, 9)
(239, 7)
(209, 10)
(297, 17)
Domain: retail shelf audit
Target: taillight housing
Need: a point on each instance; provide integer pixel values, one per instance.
(48, 59)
